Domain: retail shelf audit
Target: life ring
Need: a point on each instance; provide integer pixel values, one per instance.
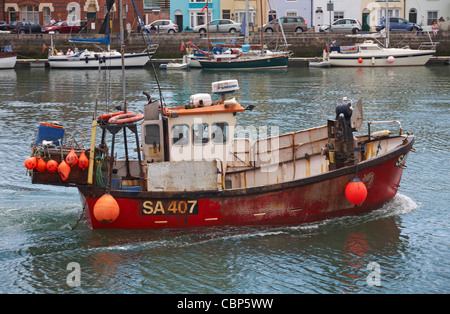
(126, 118)
(107, 116)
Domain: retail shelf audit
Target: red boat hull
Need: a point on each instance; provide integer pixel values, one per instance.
(307, 200)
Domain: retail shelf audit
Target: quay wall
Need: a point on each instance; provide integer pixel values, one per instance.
(308, 44)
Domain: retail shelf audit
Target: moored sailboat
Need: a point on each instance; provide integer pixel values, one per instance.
(8, 57)
(371, 54)
(245, 58)
(88, 59)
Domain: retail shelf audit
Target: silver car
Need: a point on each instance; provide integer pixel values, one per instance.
(162, 26)
(343, 26)
(219, 26)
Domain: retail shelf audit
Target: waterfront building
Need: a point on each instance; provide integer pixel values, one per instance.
(341, 9)
(90, 12)
(190, 13)
(292, 8)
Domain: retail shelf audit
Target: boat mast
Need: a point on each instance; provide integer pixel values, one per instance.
(386, 40)
(261, 27)
(207, 28)
(246, 41)
(122, 51)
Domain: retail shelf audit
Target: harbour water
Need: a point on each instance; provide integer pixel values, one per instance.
(401, 248)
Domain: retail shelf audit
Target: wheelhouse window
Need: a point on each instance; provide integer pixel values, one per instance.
(219, 132)
(200, 133)
(180, 135)
(152, 134)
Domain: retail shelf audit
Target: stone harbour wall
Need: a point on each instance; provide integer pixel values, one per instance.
(308, 44)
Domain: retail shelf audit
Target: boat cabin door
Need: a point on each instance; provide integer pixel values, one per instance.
(152, 131)
(152, 141)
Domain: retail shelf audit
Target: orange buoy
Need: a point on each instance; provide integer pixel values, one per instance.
(83, 161)
(41, 165)
(72, 158)
(106, 209)
(52, 165)
(30, 163)
(64, 170)
(360, 60)
(356, 191)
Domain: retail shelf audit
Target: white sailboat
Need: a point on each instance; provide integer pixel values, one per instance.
(371, 54)
(88, 59)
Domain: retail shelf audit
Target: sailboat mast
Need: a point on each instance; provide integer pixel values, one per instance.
(246, 23)
(261, 27)
(387, 20)
(122, 51)
(207, 28)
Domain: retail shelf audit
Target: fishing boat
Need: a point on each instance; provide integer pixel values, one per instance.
(8, 58)
(191, 171)
(88, 59)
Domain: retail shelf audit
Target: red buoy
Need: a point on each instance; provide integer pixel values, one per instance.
(83, 161)
(30, 163)
(106, 209)
(41, 165)
(72, 158)
(356, 191)
(52, 165)
(360, 60)
(64, 170)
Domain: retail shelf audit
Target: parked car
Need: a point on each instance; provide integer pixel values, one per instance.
(24, 27)
(3, 26)
(343, 26)
(399, 24)
(219, 26)
(290, 24)
(61, 27)
(162, 26)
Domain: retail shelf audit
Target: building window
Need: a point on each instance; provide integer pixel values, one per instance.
(240, 17)
(381, 13)
(226, 14)
(29, 13)
(291, 13)
(46, 14)
(151, 4)
(199, 18)
(432, 16)
(338, 15)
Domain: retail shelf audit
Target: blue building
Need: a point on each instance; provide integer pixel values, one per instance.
(190, 13)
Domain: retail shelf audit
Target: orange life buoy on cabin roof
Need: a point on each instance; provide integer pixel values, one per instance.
(126, 118)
